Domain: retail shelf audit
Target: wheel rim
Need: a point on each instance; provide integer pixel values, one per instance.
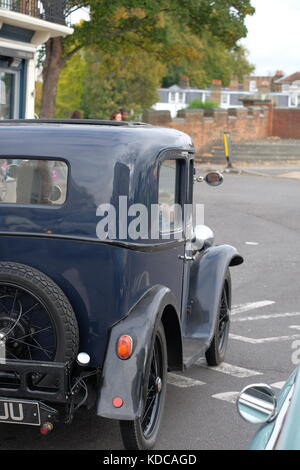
(224, 321)
(26, 326)
(154, 391)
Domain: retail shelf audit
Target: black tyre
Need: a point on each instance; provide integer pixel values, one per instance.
(217, 349)
(142, 433)
(36, 318)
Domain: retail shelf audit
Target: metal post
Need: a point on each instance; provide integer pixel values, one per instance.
(228, 149)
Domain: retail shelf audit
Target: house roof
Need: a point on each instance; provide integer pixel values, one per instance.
(290, 78)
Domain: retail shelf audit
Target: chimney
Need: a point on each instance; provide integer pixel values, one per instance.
(276, 86)
(184, 82)
(279, 74)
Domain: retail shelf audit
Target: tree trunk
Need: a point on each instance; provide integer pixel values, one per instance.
(54, 63)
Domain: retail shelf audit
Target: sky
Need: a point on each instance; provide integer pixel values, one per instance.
(273, 39)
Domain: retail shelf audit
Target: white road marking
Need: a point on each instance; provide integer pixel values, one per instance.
(279, 385)
(295, 327)
(292, 174)
(252, 243)
(231, 397)
(227, 396)
(276, 339)
(267, 317)
(183, 382)
(250, 306)
(229, 369)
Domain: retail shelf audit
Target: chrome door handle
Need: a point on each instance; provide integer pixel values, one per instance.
(187, 258)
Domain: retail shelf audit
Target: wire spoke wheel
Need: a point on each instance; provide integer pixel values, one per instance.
(223, 320)
(37, 322)
(26, 326)
(217, 349)
(142, 433)
(153, 391)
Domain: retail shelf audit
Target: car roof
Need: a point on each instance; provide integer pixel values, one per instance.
(91, 122)
(72, 139)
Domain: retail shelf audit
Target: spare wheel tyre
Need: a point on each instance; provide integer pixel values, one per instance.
(37, 321)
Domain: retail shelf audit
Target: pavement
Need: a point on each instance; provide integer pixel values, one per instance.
(260, 215)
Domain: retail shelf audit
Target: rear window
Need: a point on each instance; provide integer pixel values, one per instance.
(25, 181)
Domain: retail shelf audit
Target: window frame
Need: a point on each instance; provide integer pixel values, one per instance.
(180, 187)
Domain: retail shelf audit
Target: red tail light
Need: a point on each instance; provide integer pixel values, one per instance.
(124, 347)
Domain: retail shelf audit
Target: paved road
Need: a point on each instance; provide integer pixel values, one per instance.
(261, 217)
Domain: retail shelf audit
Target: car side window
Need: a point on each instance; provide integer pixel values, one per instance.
(169, 196)
(31, 181)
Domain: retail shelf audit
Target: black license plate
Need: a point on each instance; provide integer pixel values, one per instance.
(19, 412)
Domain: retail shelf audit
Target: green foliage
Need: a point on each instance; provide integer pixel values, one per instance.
(198, 104)
(130, 45)
(122, 81)
(71, 86)
(99, 84)
(207, 59)
(113, 21)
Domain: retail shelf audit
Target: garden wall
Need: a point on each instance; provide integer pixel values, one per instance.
(207, 127)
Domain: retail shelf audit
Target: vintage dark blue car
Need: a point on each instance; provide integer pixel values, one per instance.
(97, 300)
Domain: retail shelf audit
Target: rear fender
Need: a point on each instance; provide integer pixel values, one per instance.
(125, 378)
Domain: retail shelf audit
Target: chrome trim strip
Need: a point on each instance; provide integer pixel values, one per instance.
(279, 421)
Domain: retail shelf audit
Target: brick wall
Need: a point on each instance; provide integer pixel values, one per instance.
(207, 127)
(286, 123)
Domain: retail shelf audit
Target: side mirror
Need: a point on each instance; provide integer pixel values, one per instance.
(257, 404)
(213, 178)
(203, 237)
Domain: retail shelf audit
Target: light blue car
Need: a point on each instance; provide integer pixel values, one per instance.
(258, 404)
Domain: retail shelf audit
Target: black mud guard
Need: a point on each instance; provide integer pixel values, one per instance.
(125, 378)
(206, 283)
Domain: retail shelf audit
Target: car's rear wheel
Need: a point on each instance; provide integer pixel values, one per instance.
(217, 349)
(142, 433)
(37, 321)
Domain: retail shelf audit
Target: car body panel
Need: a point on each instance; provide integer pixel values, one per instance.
(101, 281)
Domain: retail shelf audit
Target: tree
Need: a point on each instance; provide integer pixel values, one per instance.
(122, 81)
(205, 59)
(139, 24)
(71, 86)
